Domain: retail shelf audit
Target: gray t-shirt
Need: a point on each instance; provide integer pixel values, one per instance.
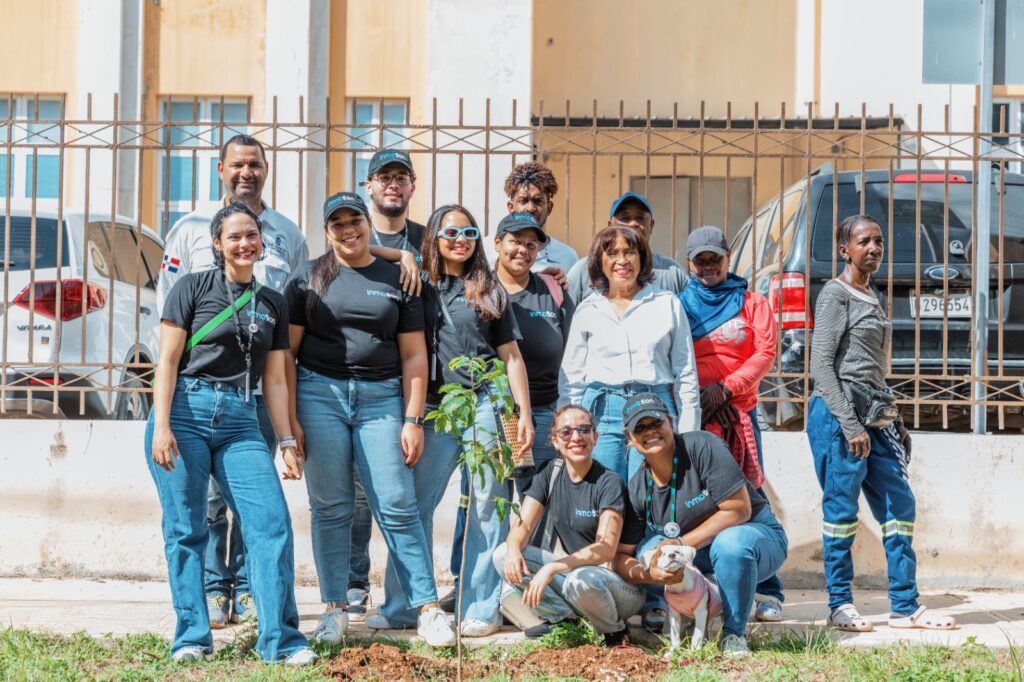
(852, 340)
(668, 275)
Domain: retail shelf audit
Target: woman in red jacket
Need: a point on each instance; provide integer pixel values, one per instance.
(734, 345)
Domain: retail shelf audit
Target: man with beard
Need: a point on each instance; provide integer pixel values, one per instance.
(188, 248)
(390, 183)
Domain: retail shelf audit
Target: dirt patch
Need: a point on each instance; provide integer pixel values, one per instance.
(386, 662)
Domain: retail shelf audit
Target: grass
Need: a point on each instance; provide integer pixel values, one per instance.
(26, 655)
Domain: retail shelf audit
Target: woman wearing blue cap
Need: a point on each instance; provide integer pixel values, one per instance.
(362, 372)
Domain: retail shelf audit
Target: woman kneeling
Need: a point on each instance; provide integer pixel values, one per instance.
(585, 504)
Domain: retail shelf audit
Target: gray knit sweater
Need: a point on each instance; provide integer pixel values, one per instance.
(852, 340)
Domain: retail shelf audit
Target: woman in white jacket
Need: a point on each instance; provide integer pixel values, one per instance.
(629, 337)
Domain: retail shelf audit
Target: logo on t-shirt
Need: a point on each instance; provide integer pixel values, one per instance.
(587, 513)
(733, 331)
(543, 313)
(263, 317)
(382, 294)
(697, 500)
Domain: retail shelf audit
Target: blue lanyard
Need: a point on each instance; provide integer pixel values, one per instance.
(672, 495)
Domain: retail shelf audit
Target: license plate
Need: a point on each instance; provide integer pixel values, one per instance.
(957, 305)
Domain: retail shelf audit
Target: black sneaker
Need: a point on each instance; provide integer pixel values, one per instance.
(358, 603)
(538, 631)
(448, 600)
(613, 639)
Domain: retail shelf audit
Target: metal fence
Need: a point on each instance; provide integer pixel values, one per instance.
(79, 324)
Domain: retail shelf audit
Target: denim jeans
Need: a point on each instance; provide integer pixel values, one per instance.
(481, 590)
(362, 528)
(772, 587)
(543, 450)
(216, 432)
(740, 557)
(605, 403)
(355, 426)
(226, 573)
(594, 593)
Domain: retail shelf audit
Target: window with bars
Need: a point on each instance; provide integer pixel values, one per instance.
(30, 172)
(377, 125)
(188, 177)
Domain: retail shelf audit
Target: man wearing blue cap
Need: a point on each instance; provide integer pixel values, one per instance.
(631, 210)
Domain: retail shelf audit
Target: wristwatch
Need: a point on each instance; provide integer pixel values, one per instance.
(418, 421)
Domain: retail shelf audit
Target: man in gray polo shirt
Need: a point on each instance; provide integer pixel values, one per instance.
(188, 248)
(634, 211)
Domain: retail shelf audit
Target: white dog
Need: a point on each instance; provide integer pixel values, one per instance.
(693, 596)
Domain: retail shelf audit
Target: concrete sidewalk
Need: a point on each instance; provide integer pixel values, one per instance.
(99, 607)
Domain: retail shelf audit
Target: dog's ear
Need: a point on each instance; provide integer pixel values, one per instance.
(687, 553)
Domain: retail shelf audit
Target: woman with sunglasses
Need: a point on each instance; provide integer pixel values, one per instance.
(568, 575)
(220, 333)
(467, 314)
(690, 491)
(361, 372)
(628, 337)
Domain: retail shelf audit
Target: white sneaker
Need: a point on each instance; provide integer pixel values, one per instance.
(474, 627)
(378, 622)
(302, 657)
(769, 610)
(432, 625)
(332, 626)
(734, 647)
(187, 654)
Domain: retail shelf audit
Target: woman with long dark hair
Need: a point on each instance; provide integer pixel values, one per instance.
(467, 314)
(362, 374)
(857, 437)
(220, 332)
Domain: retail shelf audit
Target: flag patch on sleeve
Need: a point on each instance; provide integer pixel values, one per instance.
(171, 264)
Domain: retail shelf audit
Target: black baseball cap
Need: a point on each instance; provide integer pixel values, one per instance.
(626, 198)
(517, 222)
(388, 156)
(643, 405)
(707, 238)
(345, 200)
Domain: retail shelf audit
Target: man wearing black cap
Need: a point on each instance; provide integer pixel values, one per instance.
(390, 184)
(634, 211)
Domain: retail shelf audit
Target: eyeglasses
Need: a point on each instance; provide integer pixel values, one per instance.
(648, 426)
(402, 180)
(565, 433)
(452, 233)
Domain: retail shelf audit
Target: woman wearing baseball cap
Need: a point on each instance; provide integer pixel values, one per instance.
(690, 491)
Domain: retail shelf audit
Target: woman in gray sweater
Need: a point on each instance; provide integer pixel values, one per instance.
(856, 436)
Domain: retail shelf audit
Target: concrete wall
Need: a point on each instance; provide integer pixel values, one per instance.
(77, 499)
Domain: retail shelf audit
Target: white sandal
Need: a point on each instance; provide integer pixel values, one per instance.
(848, 619)
(923, 619)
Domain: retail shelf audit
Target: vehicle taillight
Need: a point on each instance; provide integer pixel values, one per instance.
(72, 293)
(787, 295)
(930, 177)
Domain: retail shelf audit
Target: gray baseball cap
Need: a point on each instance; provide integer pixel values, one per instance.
(707, 238)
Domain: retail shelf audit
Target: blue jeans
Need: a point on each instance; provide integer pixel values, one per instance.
(605, 403)
(355, 426)
(595, 593)
(226, 573)
(482, 587)
(362, 528)
(772, 587)
(740, 557)
(880, 475)
(217, 435)
(543, 450)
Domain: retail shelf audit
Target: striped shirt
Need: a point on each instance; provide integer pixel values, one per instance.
(852, 341)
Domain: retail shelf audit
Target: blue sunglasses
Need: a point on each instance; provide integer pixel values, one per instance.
(452, 233)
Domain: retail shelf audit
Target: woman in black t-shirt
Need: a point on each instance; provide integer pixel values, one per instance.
(690, 491)
(585, 504)
(220, 333)
(358, 339)
(466, 313)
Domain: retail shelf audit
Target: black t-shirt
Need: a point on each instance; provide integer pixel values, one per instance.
(197, 298)
(544, 327)
(575, 508)
(355, 326)
(409, 239)
(707, 475)
(469, 335)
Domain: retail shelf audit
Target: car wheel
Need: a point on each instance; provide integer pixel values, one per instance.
(133, 406)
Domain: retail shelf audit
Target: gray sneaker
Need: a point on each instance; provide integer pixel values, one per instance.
(734, 647)
(218, 606)
(188, 654)
(244, 609)
(358, 604)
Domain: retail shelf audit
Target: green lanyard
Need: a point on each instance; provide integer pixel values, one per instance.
(671, 529)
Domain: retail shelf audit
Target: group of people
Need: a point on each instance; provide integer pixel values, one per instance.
(635, 382)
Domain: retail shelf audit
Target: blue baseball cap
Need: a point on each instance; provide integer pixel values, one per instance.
(517, 222)
(345, 200)
(626, 198)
